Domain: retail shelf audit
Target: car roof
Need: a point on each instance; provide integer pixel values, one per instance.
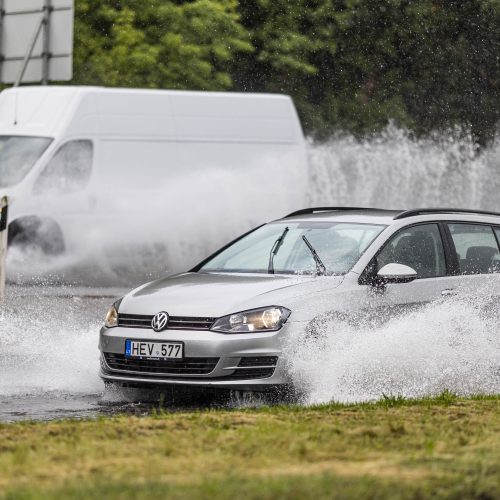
(382, 216)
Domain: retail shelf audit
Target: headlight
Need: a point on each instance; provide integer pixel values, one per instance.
(112, 315)
(264, 319)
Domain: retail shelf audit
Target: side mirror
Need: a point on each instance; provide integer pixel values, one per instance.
(396, 273)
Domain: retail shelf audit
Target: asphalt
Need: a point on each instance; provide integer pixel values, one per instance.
(49, 359)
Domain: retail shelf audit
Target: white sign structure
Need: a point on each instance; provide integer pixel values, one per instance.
(36, 40)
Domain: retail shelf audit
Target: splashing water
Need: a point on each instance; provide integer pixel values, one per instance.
(393, 170)
(389, 170)
(448, 345)
(49, 343)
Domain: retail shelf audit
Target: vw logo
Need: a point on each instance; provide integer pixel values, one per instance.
(159, 321)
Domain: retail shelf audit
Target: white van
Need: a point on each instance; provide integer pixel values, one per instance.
(132, 165)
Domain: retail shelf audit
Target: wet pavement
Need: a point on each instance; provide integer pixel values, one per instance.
(49, 360)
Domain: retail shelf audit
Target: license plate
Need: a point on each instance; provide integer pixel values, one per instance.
(153, 350)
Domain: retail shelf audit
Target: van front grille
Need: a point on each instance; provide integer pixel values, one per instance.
(174, 322)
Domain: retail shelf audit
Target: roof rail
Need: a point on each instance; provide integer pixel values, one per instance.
(306, 211)
(424, 211)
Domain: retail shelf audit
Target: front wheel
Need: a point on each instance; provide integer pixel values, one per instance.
(35, 235)
(115, 392)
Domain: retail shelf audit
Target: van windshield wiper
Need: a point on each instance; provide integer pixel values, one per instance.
(275, 249)
(320, 267)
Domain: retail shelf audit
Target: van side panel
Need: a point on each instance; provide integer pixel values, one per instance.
(84, 122)
(136, 164)
(146, 114)
(234, 118)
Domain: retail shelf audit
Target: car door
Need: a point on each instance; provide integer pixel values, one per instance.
(424, 248)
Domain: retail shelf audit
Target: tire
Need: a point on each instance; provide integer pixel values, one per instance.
(35, 234)
(287, 394)
(119, 393)
(112, 386)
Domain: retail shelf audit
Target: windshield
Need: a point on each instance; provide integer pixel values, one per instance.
(18, 154)
(273, 248)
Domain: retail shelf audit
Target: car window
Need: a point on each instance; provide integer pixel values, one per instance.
(419, 247)
(476, 247)
(68, 170)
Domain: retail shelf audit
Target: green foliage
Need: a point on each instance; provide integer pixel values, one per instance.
(295, 45)
(157, 44)
(453, 75)
(350, 65)
(425, 64)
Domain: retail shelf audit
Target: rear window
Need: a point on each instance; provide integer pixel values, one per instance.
(476, 247)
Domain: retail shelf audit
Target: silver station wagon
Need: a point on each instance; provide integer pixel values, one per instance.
(227, 322)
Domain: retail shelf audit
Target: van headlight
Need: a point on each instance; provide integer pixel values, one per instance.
(263, 319)
(112, 315)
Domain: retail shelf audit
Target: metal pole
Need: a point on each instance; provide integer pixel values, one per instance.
(4, 206)
(29, 52)
(47, 8)
(2, 13)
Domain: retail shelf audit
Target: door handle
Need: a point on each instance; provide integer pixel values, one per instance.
(448, 292)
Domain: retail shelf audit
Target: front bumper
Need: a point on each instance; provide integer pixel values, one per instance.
(236, 357)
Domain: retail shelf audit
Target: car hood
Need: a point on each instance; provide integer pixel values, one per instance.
(218, 294)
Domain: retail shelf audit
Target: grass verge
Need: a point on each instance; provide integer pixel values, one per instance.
(444, 447)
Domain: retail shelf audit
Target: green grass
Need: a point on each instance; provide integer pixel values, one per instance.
(446, 447)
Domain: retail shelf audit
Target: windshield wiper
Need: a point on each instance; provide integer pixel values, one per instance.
(320, 267)
(275, 249)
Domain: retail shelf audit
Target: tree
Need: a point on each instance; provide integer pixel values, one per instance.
(452, 73)
(291, 39)
(330, 55)
(157, 43)
(351, 65)
(355, 65)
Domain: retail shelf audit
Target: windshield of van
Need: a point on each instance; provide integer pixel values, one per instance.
(290, 248)
(18, 154)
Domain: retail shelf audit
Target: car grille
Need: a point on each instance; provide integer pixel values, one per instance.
(255, 367)
(174, 322)
(185, 366)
